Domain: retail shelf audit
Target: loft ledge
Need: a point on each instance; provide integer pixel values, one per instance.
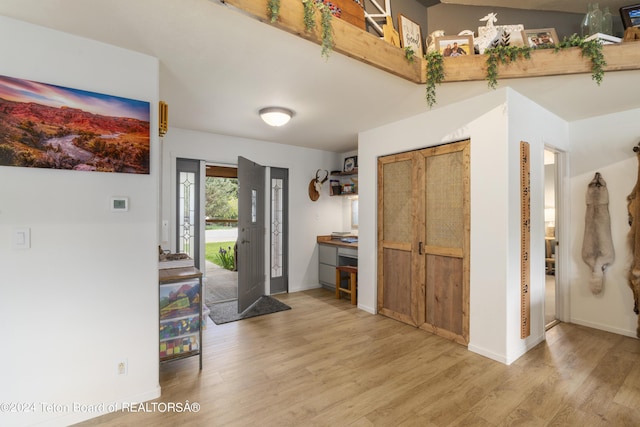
(370, 49)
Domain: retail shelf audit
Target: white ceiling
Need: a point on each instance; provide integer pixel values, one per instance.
(219, 67)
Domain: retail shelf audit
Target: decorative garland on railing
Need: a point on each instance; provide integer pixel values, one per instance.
(506, 54)
(591, 49)
(503, 55)
(273, 9)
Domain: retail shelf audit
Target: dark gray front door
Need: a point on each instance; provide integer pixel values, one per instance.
(251, 233)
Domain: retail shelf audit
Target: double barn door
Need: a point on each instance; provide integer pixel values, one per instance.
(423, 239)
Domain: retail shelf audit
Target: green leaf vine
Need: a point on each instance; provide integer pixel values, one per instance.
(309, 15)
(591, 49)
(326, 29)
(503, 55)
(409, 54)
(273, 8)
(435, 75)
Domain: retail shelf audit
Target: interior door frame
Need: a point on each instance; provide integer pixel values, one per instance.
(562, 234)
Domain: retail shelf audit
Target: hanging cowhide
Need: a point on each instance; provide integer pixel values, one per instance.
(633, 207)
(597, 246)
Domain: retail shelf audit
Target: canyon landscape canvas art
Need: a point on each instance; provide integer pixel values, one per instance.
(49, 126)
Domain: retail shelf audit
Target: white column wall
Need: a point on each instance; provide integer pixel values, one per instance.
(533, 124)
(495, 123)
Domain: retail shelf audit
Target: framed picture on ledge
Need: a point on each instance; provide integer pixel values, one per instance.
(540, 38)
(630, 16)
(350, 164)
(410, 35)
(452, 46)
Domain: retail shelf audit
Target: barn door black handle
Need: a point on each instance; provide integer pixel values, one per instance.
(419, 248)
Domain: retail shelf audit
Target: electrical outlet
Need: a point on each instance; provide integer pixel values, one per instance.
(122, 367)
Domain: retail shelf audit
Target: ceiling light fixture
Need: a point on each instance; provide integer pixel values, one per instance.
(276, 116)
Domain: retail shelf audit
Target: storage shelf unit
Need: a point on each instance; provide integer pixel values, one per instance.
(180, 313)
(342, 179)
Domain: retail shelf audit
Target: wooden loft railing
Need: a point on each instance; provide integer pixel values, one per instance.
(349, 39)
(370, 49)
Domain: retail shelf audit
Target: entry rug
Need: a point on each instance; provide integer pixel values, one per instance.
(226, 312)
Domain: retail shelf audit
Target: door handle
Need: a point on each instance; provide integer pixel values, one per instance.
(420, 248)
(245, 241)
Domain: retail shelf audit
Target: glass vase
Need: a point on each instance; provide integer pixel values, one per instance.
(595, 20)
(584, 25)
(607, 22)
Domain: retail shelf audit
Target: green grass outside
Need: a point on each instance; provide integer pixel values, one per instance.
(211, 251)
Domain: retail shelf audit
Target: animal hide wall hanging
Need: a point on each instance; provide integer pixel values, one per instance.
(633, 207)
(597, 246)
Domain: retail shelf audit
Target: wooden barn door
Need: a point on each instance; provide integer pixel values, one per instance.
(423, 239)
(398, 266)
(446, 237)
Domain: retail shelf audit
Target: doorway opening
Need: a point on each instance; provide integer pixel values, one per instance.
(550, 238)
(221, 233)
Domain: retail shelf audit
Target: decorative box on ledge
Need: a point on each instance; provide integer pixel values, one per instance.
(351, 11)
(169, 260)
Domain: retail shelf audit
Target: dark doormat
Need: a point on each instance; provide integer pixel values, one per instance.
(226, 312)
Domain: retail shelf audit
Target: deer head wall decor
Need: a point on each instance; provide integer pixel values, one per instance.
(315, 186)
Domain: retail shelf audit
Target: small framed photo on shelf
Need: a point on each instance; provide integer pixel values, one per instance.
(630, 16)
(540, 38)
(452, 46)
(350, 164)
(410, 35)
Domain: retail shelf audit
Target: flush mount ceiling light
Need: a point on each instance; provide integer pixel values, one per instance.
(276, 116)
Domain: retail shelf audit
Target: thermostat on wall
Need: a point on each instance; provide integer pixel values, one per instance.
(119, 204)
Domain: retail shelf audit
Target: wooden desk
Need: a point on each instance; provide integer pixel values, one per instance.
(331, 254)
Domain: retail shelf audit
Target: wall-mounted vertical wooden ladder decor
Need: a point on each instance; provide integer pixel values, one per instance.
(525, 241)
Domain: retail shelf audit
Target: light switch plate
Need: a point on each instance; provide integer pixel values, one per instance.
(22, 238)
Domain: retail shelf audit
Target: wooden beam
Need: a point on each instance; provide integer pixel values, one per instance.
(221, 171)
(544, 62)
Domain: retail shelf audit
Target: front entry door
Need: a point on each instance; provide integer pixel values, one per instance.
(251, 233)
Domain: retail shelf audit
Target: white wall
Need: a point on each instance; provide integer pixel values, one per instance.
(604, 144)
(86, 294)
(530, 123)
(489, 121)
(307, 219)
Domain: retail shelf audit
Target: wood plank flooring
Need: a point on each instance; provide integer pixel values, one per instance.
(326, 363)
